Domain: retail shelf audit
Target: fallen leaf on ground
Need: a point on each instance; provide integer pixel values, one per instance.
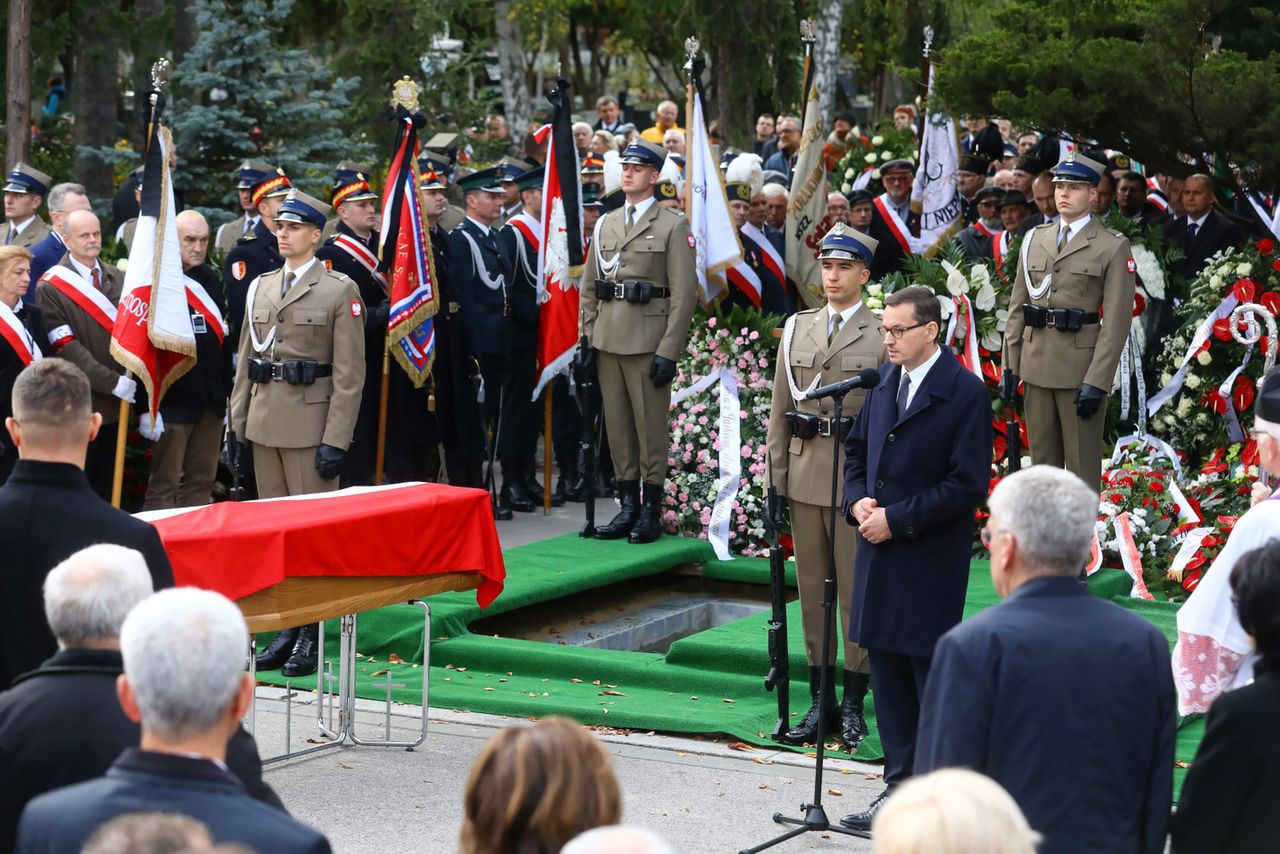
(490, 689)
(836, 792)
(760, 760)
(575, 681)
(379, 672)
(612, 694)
(763, 786)
(395, 659)
(344, 765)
(727, 700)
(740, 745)
(1178, 763)
(875, 776)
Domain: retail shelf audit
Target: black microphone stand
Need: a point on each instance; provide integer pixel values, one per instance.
(815, 815)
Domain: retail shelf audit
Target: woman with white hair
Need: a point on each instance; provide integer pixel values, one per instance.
(954, 811)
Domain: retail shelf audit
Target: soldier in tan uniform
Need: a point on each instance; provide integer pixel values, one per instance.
(298, 382)
(25, 188)
(1069, 317)
(822, 346)
(639, 291)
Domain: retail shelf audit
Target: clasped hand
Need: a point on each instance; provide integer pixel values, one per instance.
(872, 522)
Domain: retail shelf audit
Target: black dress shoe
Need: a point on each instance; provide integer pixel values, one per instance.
(571, 489)
(305, 656)
(502, 514)
(514, 497)
(278, 652)
(648, 527)
(533, 488)
(853, 727)
(862, 820)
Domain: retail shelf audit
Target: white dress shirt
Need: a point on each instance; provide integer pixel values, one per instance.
(918, 374)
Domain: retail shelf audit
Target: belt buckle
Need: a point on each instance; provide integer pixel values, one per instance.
(1049, 319)
(620, 290)
(277, 372)
(824, 427)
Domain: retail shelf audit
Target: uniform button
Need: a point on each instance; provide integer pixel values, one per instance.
(910, 530)
(891, 437)
(1056, 269)
(1055, 290)
(280, 317)
(826, 366)
(879, 484)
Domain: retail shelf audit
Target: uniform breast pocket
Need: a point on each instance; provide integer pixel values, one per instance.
(852, 363)
(649, 261)
(261, 315)
(310, 324)
(318, 392)
(1090, 269)
(1037, 265)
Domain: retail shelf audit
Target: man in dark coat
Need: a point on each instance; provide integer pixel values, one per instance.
(188, 699)
(44, 740)
(1063, 699)
(892, 219)
(1201, 232)
(49, 510)
(917, 464)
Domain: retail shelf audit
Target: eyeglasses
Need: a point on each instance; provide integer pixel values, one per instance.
(898, 331)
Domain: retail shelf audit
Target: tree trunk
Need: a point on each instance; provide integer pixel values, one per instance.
(184, 30)
(515, 94)
(18, 110)
(94, 97)
(826, 54)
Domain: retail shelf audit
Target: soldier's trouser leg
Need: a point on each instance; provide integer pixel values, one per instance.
(809, 528)
(566, 424)
(518, 416)
(1061, 438)
(166, 467)
(288, 471)
(655, 424)
(620, 415)
(1044, 427)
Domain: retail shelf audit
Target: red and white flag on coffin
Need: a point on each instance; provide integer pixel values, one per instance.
(153, 336)
(560, 244)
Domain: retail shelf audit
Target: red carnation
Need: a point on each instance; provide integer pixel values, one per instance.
(1244, 290)
(1265, 246)
(1116, 498)
(1242, 393)
(1155, 486)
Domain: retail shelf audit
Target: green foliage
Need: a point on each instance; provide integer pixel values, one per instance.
(1171, 82)
(281, 104)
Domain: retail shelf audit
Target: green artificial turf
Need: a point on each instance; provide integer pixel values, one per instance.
(710, 682)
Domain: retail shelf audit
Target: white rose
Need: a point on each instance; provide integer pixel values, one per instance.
(1166, 378)
(877, 140)
(1244, 269)
(875, 290)
(870, 158)
(874, 303)
(1193, 381)
(849, 173)
(1215, 281)
(846, 187)
(886, 155)
(875, 174)
(1204, 358)
(1184, 407)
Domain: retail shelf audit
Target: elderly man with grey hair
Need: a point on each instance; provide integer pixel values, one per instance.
(61, 723)
(63, 199)
(188, 699)
(618, 839)
(1065, 700)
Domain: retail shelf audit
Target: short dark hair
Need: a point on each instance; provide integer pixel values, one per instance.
(606, 99)
(924, 303)
(50, 396)
(1132, 176)
(1255, 589)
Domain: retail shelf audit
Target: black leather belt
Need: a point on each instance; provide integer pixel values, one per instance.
(293, 371)
(1062, 319)
(633, 292)
(806, 426)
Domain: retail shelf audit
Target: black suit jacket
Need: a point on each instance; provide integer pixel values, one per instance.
(208, 383)
(252, 256)
(1229, 798)
(889, 253)
(10, 366)
(61, 820)
(48, 512)
(62, 724)
(485, 310)
(1067, 701)
(522, 289)
(1217, 233)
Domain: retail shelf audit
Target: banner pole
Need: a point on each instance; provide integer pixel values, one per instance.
(380, 456)
(546, 450)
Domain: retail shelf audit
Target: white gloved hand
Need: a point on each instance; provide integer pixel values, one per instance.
(126, 389)
(149, 430)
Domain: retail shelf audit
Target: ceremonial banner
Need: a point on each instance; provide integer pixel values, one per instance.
(152, 335)
(560, 243)
(716, 245)
(807, 206)
(406, 259)
(935, 195)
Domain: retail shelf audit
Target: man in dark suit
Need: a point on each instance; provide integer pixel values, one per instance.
(1132, 201)
(48, 510)
(917, 463)
(188, 699)
(63, 199)
(892, 219)
(44, 742)
(1063, 699)
(1201, 231)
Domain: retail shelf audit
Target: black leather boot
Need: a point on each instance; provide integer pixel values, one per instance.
(570, 486)
(534, 489)
(306, 652)
(853, 729)
(649, 525)
(514, 497)
(862, 820)
(278, 652)
(806, 732)
(621, 525)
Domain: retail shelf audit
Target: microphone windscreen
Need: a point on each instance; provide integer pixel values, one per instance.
(870, 378)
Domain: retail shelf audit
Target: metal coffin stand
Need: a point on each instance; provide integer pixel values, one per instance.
(299, 601)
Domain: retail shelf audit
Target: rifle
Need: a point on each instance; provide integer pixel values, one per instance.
(778, 679)
(584, 381)
(1012, 433)
(234, 461)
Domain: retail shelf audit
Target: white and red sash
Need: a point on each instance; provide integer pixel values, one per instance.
(981, 227)
(768, 252)
(19, 338)
(999, 246)
(896, 226)
(90, 300)
(532, 231)
(200, 302)
(361, 254)
(742, 277)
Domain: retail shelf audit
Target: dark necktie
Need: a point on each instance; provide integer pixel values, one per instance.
(1064, 234)
(904, 389)
(97, 279)
(1192, 230)
(288, 283)
(836, 321)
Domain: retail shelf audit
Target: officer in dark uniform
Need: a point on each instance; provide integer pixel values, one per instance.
(483, 280)
(975, 240)
(971, 176)
(451, 392)
(509, 169)
(256, 253)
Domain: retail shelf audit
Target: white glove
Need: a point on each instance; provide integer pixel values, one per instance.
(125, 389)
(149, 430)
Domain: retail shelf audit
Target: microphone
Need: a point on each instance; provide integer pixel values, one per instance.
(869, 378)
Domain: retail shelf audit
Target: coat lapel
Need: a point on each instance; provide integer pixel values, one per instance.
(851, 331)
(817, 329)
(935, 384)
(1081, 240)
(643, 225)
(303, 285)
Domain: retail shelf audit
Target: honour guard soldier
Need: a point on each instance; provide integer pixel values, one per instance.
(1069, 318)
(442, 172)
(509, 169)
(483, 280)
(822, 346)
(249, 173)
(298, 382)
(256, 253)
(639, 291)
(455, 373)
(24, 191)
